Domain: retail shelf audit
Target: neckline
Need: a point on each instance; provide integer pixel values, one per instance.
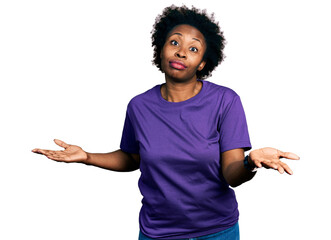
(182, 102)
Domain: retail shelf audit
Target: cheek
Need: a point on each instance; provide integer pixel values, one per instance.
(166, 50)
(197, 61)
(162, 60)
(161, 53)
(165, 54)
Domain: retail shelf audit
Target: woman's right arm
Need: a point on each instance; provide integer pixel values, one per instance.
(116, 161)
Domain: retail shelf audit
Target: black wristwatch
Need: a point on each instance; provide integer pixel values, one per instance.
(248, 166)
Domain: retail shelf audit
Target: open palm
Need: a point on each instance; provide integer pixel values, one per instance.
(270, 158)
(71, 153)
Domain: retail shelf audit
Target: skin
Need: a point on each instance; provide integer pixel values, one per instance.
(184, 46)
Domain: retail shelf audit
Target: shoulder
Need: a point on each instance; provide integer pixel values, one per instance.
(219, 91)
(145, 97)
(221, 98)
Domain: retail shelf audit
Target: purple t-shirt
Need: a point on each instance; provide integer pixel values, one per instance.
(180, 146)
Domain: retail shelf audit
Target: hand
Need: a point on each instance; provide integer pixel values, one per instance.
(269, 158)
(71, 153)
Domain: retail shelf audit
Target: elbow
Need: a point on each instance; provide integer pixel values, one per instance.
(234, 184)
(231, 180)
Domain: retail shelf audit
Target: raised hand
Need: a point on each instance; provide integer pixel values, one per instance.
(270, 158)
(71, 153)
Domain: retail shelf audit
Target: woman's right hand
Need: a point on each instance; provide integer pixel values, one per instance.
(71, 153)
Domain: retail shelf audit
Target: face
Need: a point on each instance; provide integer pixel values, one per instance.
(182, 53)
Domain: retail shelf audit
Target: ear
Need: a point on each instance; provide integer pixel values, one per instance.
(201, 65)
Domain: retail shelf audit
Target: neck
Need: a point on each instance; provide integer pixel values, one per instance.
(178, 92)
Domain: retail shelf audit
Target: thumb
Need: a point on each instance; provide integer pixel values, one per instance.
(288, 155)
(61, 143)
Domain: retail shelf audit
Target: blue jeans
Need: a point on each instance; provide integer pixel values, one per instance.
(231, 233)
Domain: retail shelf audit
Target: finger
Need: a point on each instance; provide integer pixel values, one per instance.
(280, 169)
(45, 152)
(60, 156)
(288, 155)
(257, 164)
(57, 155)
(270, 165)
(287, 168)
(56, 158)
(265, 166)
(36, 150)
(61, 143)
(39, 151)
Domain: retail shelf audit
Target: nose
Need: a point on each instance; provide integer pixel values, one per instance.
(180, 53)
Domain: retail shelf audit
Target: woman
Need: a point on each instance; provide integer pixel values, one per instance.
(187, 136)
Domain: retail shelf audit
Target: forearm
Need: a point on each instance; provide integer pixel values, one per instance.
(116, 161)
(235, 173)
(233, 168)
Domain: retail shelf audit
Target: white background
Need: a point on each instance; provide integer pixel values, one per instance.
(68, 69)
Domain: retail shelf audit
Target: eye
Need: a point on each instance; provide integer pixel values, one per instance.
(174, 42)
(193, 49)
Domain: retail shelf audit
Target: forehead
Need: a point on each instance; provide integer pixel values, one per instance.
(187, 30)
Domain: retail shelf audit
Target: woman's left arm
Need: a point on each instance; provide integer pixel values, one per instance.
(235, 172)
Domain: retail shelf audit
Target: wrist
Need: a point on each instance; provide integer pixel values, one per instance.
(87, 159)
(249, 164)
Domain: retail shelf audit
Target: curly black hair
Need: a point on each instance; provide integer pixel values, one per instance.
(173, 16)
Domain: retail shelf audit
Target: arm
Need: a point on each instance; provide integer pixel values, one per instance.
(116, 161)
(235, 173)
(233, 168)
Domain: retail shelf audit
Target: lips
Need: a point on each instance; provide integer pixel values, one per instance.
(177, 65)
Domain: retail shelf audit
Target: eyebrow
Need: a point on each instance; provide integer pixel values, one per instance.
(182, 35)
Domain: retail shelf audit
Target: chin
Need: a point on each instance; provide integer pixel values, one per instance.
(182, 79)
(179, 77)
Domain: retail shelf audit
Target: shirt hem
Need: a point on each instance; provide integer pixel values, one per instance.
(245, 145)
(196, 234)
(134, 151)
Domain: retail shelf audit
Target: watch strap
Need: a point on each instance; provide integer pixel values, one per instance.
(248, 166)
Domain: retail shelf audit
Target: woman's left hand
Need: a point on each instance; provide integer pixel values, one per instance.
(270, 158)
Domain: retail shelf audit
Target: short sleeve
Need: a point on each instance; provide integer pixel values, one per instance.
(129, 142)
(233, 127)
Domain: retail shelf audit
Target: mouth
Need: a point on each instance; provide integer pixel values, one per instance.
(177, 65)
